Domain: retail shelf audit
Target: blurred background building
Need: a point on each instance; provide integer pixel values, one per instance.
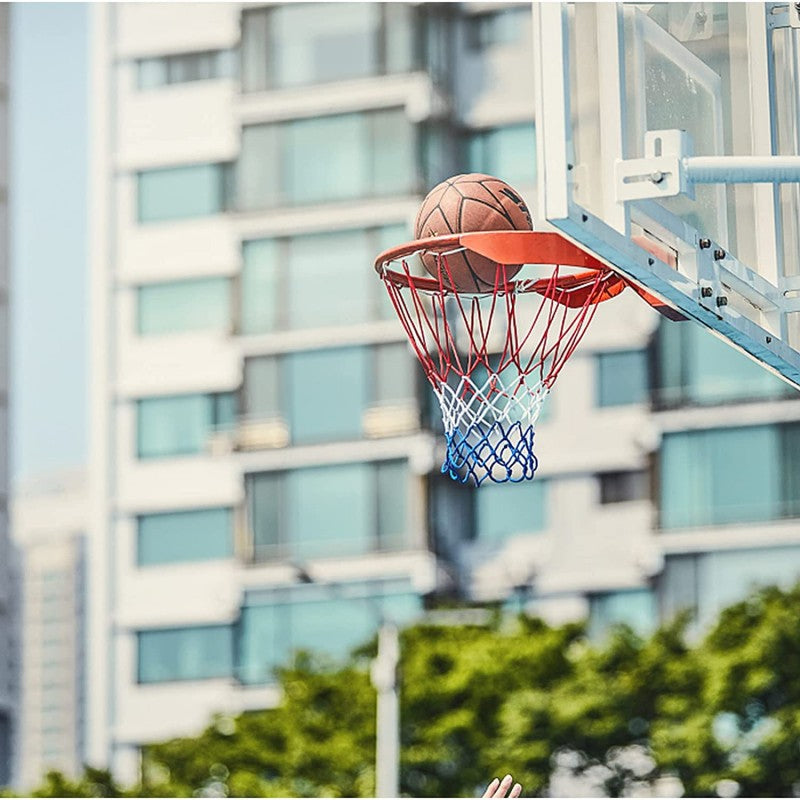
(49, 525)
(8, 574)
(264, 460)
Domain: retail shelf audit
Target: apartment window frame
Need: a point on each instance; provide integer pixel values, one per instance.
(268, 78)
(377, 308)
(223, 173)
(221, 64)
(374, 390)
(604, 361)
(227, 531)
(228, 291)
(486, 29)
(279, 159)
(221, 675)
(632, 485)
(282, 547)
(218, 420)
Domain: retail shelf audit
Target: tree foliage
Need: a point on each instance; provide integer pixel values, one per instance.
(721, 714)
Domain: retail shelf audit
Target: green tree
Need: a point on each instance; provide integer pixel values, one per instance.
(525, 698)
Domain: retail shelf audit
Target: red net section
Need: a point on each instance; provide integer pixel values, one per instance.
(492, 357)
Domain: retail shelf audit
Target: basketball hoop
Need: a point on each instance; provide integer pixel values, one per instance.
(492, 357)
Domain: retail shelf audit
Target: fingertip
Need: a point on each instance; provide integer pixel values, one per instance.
(516, 791)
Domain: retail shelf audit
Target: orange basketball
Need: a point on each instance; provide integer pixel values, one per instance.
(465, 203)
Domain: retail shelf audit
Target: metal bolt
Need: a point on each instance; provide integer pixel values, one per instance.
(719, 255)
(704, 244)
(706, 291)
(657, 176)
(722, 301)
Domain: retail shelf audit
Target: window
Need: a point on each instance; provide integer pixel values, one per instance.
(181, 424)
(185, 654)
(730, 475)
(509, 153)
(323, 394)
(197, 535)
(171, 193)
(620, 487)
(280, 164)
(622, 378)
(706, 583)
(693, 367)
(508, 508)
(341, 510)
(498, 27)
(298, 45)
(314, 280)
(636, 608)
(184, 67)
(327, 619)
(180, 306)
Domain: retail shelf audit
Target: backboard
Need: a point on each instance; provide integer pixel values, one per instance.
(668, 139)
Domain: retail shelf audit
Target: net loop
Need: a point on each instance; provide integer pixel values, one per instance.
(492, 357)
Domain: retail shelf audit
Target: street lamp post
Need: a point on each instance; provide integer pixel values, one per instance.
(384, 679)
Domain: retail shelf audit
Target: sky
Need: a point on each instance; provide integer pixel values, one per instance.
(48, 237)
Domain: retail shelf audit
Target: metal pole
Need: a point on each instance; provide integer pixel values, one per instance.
(387, 745)
(742, 169)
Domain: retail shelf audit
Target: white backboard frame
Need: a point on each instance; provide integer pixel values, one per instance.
(709, 285)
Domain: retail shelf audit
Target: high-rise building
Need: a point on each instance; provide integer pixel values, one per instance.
(49, 531)
(8, 650)
(264, 468)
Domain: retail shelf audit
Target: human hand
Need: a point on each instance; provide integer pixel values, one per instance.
(498, 788)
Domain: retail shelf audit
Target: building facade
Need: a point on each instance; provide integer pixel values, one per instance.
(8, 604)
(49, 530)
(264, 471)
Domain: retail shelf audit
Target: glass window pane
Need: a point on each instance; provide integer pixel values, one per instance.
(224, 410)
(254, 50)
(720, 476)
(262, 391)
(258, 176)
(509, 153)
(394, 161)
(400, 33)
(261, 631)
(505, 509)
(343, 174)
(193, 305)
(636, 608)
(259, 284)
(694, 367)
(332, 626)
(340, 377)
(314, 42)
(328, 284)
(185, 654)
(169, 426)
(151, 73)
(394, 374)
(180, 192)
(329, 511)
(263, 493)
(726, 577)
(392, 502)
(622, 378)
(197, 535)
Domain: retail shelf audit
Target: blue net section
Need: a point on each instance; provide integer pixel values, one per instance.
(497, 452)
(489, 426)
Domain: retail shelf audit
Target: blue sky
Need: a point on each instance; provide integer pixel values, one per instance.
(47, 227)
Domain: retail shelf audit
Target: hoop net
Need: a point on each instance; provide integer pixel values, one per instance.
(493, 357)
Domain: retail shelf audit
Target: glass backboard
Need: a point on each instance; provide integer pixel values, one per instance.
(669, 146)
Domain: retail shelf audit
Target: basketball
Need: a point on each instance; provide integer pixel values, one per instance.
(466, 203)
